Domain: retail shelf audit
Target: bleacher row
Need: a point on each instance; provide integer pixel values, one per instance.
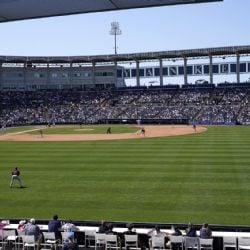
(204, 105)
(87, 237)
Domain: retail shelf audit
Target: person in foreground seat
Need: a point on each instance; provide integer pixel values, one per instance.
(205, 232)
(69, 243)
(32, 229)
(191, 231)
(69, 227)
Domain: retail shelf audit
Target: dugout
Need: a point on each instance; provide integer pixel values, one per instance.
(145, 121)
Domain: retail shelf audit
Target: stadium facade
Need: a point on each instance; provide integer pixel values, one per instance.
(19, 73)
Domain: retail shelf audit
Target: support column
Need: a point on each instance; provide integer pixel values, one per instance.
(1, 78)
(238, 68)
(115, 74)
(93, 73)
(161, 72)
(71, 74)
(137, 73)
(25, 76)
(211, 69)
(48, 76)
(185, 70)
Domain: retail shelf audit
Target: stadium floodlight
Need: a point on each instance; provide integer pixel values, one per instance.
(115, 31)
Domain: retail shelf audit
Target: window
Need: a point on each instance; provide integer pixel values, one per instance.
(190, 70)
(87, 74)
(65, 75)
(39, 75)
(77, 74)
(243, 67)
(157, 71)
(181, 70)
(141, 72)
(133, 72)
(119, 73)
(13, 75)
(233, 68)
(165, 71)
(216, 68)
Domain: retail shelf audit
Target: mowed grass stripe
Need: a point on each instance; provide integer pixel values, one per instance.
(198, 177)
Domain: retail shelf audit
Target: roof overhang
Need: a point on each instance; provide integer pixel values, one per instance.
(12, 10)
(147, 56)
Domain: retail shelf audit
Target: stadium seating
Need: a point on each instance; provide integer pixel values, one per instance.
(221, 105)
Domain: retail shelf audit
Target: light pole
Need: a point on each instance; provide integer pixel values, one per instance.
(115, 31)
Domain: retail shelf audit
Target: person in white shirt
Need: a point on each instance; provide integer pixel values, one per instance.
(69, 227)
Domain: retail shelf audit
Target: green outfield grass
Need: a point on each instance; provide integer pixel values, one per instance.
(198, 177)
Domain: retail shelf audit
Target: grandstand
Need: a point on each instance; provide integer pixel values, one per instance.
(205, 104)
(98, 93)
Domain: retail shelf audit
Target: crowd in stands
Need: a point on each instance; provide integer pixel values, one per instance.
(71, 241)
(224, 105)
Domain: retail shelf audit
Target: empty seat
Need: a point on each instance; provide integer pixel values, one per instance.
(243, 243)
(176, 241)
(9, 237)
(111, 241)
(131, 241)
(158, 242)
(100, 240)
(29, 241)
(206, 244)
(229, 242)
(89, 240)
(192, 242)
(49, 240)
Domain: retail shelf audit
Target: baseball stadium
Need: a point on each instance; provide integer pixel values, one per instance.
(78, 141)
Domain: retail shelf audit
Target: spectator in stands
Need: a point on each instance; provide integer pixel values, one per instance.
(110, 229)
(205, 231)
(130, 230)
(103, 228)
(69, 227)
(33, 229)
(55, 226)
(157, 232)
(191, 231)
(3, 223)
(21, 226)
(176, 231)
(69, 243)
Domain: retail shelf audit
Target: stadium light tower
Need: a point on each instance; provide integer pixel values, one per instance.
(115, 31)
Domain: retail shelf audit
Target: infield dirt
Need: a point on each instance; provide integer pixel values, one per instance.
(151, 131)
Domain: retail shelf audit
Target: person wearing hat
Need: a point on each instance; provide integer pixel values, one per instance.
(33, 229)
(70, 243)
(21, 226)
(15, 175)
(190, 230)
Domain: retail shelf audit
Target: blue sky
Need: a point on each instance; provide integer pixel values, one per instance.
(152, 29)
